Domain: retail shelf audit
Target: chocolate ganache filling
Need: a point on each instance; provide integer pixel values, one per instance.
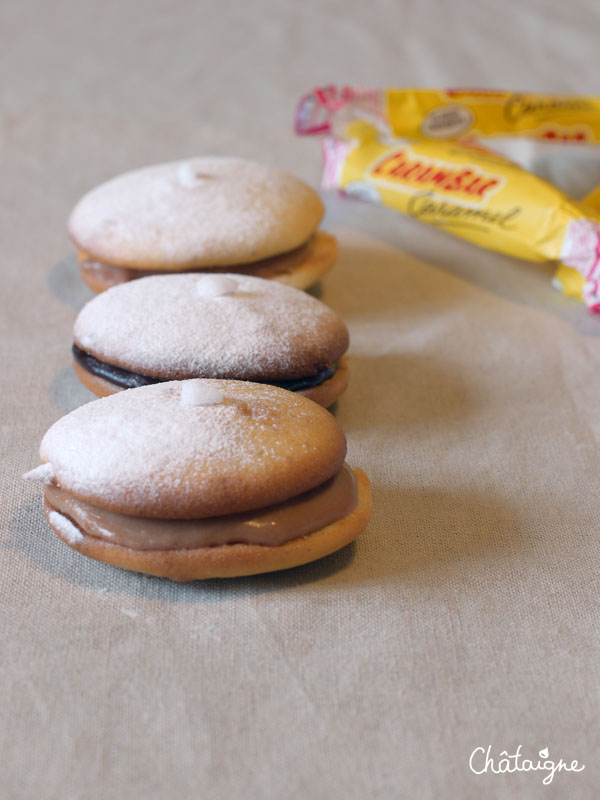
(126, 379)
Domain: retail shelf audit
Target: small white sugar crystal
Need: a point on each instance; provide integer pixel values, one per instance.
(188, 176)
(216, 286)
(44, 474)
(197, 393)
(65, 527)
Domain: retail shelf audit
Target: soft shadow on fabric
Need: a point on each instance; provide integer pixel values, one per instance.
(393, 285)
(65, 283)
(67, 391)
(32, 536)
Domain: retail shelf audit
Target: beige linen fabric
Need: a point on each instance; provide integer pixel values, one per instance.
(467, 613)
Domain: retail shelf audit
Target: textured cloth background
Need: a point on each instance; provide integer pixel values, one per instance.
(467, 613)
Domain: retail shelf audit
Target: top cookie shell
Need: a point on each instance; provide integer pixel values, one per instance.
(144, 454)
(171, 327)
(200, 212)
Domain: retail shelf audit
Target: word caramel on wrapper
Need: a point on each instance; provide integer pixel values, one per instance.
(457, 184)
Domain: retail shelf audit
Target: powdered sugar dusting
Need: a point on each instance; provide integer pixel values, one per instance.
(200, 212)
(43, 474)
(141, 452)
(197, 393)
(65, 527)
(160, 326)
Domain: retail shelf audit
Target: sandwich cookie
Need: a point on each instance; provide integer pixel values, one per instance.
(203, 214)
(172, 327)
(201, 479)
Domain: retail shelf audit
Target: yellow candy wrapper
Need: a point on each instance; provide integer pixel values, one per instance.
(452, 113)
(438, 173)
(470, 192)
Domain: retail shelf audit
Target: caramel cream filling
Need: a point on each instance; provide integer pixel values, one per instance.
(271, 526)
(110, 275)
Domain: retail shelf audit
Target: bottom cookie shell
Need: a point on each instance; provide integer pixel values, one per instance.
(222, 561)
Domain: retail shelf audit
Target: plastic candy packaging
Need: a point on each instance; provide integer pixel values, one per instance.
(457, 184)
(452, 113)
